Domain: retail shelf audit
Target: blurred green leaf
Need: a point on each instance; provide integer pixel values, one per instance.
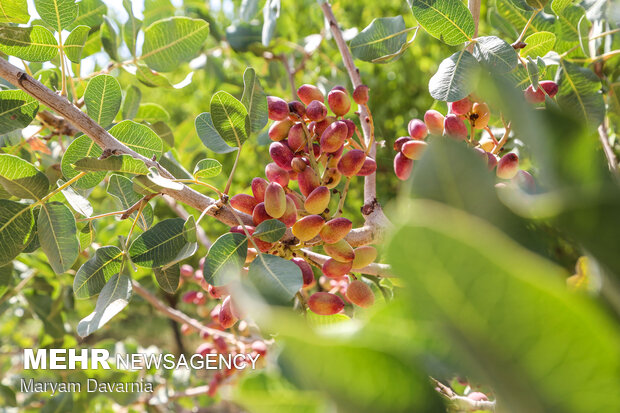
(90, 13)
(255, 100)
(131, 102)
(152, 113)
(109, 38)
(580, 93)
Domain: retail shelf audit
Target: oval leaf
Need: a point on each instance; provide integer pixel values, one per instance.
(17, 110)
(138, 137)
(538, 44)
(131, 102)
(103, 99)
(448, 20)
(34, 44)
(57, 235)
(14, 11)
(495, 54)
(58, 14)
(455, 77)
(271, 230)
(209, 136)
(81, 147)
(168, 278)
(94, 273)
(21, 179)
(383, 36)
(151, 112)
(255, 100)
(225, 259)
(580, 93)
(161, 245)
(230, 118)
(207, 168)
(74, 44)
(77, 201)
(113, 298)
(276, 278)
(16, 229)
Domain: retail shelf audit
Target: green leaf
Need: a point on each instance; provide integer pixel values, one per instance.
(518, 13)
(74, 44)
(21, 179)
(165, 133)
(34, 44)
(173, 166)
(383, 36)
(495, 54)
(207, 168)
(151, 78)
(14, 11)
(505, 312)
(81, 147)
(225, 259)
(209, 136)
(558, 6)
(90, 13)
(6, 277)
(271, 12)
(17, 110)
(131, 102)
(16, 229)
(538, 44)
(271, 230)
(255, 100)
(161, 181)
(448, 20)
(230, 118)
(131, 28)
(138, 137)
(168, 277)
(57, 235)
(109, 38)
(144, 186)
(569, 23)
(455, 78)
(103, 99)
(120, 163)
(580, 93)
(58, 14)
(243, 37)
(248, 9)
(62, 402)
(86, 235)
(122, 188)
(189, 229)
(77, 201)
(151, 112)
(276, 278)
(95, 273)
(155, 10)
(114, 296)
(161, 245)
(533, 72)
(171, 41)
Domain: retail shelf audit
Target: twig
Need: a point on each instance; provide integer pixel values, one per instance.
(612, 161)
(527, 25)
(380, 270)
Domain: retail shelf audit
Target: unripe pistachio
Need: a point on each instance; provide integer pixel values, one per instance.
(259, 185)
(334, 158)
(460, 107)
(277, 108)
(508, 166)
(296, 138)
(398, 143)
(334, 136)
(340, 251)
(339, 102)
(331, 178)
(306, 271)
(454, 127)
(243, 202)
(534, 96)
(417, 129)
(316, 111)
(491, 161)
(319, 127)
(307, 93)
(263, 246)
(360, 94)
(360, 294)
(336, 229)
(350, 128)
(279, 130)
(297, 199)
(351, 162)
(308, 227)
(226, 317)
(414, 149)
(402, 166)
(335, 269)
(480, 115)
(318, 200)
(325, 303)
(260, 214)
(290, 213)
(298, 164)
(550, 87)
(368, 168)
(434, 122)
(364, 256)
(308, 181)
(276, 174)
(525, 181)
(187, 271)
(275, 200)
(281, 155)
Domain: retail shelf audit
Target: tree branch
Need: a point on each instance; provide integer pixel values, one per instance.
(380, 270)
(101, 137)
(372, 209)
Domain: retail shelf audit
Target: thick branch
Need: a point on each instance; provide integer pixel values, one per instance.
(101, 137)
(380, 270)
(179, 316)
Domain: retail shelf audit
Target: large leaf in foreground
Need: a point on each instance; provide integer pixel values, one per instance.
(94, 273)
(230, 118)
(505, 313)
(276, 278)
(168, 277)
(16, 229)
(161, 245)
(58, 14)
(383, 36)
(495, 54)
(209, 136)
(448, 20)
(113, 298)
(34, 44)
(580, 93)
(171, 41)
(455, 78)
(57, 235)
(225, 259)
